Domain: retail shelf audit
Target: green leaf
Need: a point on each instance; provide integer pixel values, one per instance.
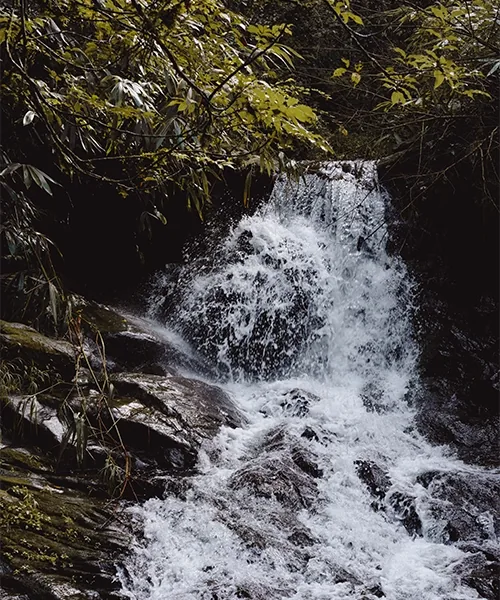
(53, 295)
(439, 11)
(493, 69)
(10, 169)
(27, 177)
(397, 98)
(161, 217)
(40, 178)
(246, 189)
(355, 78)
(339, 72)
(438, 78)
(356, 18)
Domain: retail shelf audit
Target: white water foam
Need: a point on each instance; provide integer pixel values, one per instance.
(308, 322)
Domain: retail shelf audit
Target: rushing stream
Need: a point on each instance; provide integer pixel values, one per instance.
(307, 322)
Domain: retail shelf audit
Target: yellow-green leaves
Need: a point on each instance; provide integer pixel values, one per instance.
(438, 65)
(354, 73)
(167, 92)
(355, 78)
(343, 10)
(397, 98)
(438, 78)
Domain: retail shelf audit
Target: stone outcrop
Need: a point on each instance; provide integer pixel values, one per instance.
(280, 479)
(398, 505)
(448, 237)
(18, 341)
(96, 430)
(465, 511)
(57, 542)
(132, 343)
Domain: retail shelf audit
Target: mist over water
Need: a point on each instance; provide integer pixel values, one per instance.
(307, 323)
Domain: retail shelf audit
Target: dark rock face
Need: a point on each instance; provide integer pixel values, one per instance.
(481, 570)
(132, 343)
(57, 542)
(278, 441)
(201, 407)
(405, 511)
(400, 505)
(448, 236)
(168, 418)
(459, 400)
(159, 421)
(279, 479)
(374, 477)
(463, 418)
(20, 341)
(466, 507)
(296, 403)
(97, 431)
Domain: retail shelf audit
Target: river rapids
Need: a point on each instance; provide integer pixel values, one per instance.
(306, 322)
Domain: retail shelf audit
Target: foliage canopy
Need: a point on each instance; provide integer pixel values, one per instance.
(156, 98)
(149, 94)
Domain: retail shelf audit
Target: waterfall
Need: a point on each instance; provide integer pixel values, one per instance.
(307, 322)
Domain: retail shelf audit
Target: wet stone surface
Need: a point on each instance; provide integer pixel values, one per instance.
(465, 507)
(58, 543)
(458, 401)
(94, 434)
(396, 504)
(277, 478)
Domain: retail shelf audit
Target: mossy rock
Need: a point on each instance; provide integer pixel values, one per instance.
(48, 354)
(56, 543)
(10, 458)
(98, 317)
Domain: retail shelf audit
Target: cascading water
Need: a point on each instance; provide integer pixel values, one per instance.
(307, 322)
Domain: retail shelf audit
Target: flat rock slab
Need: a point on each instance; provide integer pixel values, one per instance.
(133, 343)
(57, 543)
(196, 404)
(18, 340)
(170, 416)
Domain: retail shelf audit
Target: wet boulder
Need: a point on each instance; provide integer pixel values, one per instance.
(306, 461)
(403, 508)
(480, 569)
(295, 403)
(57, 543)
(280, 440)
(132, 343)
(464, 417)
(47, 354)
(191, 403)
(465, 507)
(375, 478)
(399, 505)
(277, 477)
(136, 424)
(166, 419)
(457, 403)
(26, 416)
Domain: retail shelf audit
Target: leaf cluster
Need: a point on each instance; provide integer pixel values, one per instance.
(147, 95)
